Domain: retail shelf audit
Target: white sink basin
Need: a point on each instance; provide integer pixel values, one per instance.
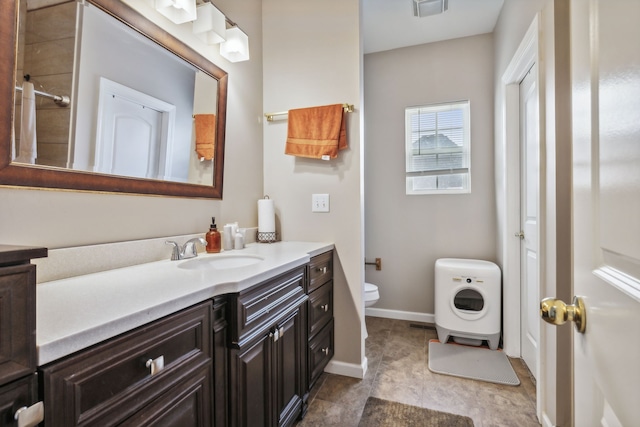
(220, 262)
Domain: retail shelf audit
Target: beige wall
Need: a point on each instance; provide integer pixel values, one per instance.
(57, 219)
(312, 57)
(410, 233)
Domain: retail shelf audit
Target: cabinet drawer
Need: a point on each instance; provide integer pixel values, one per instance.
(258, 306)
(320, 307)
(17, 322)
(320, 270)
(16, 395)
(185, 405)
(110, 382)
(320, 352)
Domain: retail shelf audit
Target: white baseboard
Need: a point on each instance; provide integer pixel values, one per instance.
(347, 369)
(546, 422)
(400, 315)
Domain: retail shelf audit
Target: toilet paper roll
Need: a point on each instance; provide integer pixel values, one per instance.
(266, 216)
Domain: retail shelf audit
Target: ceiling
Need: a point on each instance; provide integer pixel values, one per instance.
(390, 24)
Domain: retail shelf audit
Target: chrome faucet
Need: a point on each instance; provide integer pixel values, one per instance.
(188, 250)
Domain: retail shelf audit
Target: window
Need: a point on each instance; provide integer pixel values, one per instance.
(437, 149)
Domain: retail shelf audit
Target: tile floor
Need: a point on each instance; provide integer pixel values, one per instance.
(398, 371)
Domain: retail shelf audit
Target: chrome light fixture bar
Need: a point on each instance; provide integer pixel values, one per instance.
(422, 8)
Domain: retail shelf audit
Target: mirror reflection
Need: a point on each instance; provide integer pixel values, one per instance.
(136, 110)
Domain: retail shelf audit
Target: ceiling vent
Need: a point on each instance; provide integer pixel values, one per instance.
(423, 8)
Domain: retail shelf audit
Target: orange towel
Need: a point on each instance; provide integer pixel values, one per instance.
(205, 135)
(316, 132)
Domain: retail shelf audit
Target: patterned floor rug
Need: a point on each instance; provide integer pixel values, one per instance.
(383, 413)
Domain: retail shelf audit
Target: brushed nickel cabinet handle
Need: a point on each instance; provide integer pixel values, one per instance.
(155, 365)
(31, 416)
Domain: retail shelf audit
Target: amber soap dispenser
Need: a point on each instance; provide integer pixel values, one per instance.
(213, 238)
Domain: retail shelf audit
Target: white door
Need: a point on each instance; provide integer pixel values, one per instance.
(131, 140)
(529, 195)
(134, 135)
(606, 210)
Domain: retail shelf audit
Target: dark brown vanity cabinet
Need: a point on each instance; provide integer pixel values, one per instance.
(18, 380)
(267, 363)
(320, 322)
(159, 374)
(243, 359)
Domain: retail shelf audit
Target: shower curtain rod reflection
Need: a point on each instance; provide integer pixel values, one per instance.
(348, 108)
(61, 100)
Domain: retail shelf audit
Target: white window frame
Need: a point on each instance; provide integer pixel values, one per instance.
(464, 149)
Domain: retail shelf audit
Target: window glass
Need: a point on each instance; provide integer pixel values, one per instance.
(437, 149)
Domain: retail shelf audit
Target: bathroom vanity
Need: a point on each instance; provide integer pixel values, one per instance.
(18, 379)
(233, 339)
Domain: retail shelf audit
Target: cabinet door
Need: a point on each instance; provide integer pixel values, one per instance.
(14, 396)
(17, 322)
(251, 384)
(289, 369)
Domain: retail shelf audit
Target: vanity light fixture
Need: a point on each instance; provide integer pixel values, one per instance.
(211, 25)
(236, 47)
(423, 8)
(178, 11)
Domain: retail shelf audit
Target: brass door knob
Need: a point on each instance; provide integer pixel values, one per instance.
(556, 312)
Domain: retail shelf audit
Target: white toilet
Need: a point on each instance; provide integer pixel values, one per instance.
(371, 294)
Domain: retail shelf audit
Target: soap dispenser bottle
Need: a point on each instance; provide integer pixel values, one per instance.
(213, 238)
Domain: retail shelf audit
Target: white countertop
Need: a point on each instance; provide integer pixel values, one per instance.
(77, 312)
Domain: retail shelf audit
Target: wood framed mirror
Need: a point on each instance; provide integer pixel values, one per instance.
(70, 172)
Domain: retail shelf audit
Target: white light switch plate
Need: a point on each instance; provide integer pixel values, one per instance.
(319, 203)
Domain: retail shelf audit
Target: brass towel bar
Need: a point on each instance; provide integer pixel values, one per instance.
(348, 108)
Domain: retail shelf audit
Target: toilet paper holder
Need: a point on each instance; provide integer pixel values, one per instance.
(269, 237)
(377, 263)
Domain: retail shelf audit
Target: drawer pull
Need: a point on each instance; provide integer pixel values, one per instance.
(325, 351)
(325, 307)
(156, 365)
(277, 334)
(31, 416)
(322, 270)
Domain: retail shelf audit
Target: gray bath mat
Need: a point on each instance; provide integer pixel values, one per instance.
(477, 363)
(383, 413)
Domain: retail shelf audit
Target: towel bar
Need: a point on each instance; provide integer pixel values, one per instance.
(61, 100)
(348, 108)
